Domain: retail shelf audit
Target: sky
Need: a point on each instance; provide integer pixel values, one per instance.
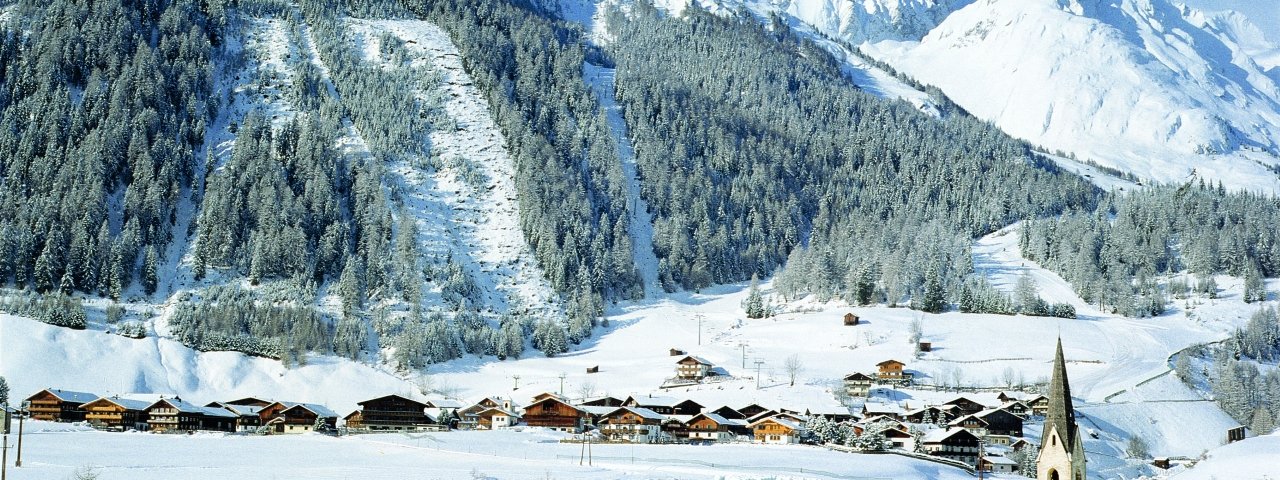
(1264, 13)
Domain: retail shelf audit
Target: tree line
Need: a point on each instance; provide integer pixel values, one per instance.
(757, 152)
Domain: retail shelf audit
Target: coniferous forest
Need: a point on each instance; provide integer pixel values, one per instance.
(756, 155)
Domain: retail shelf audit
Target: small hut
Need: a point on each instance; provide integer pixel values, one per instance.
(850, 319)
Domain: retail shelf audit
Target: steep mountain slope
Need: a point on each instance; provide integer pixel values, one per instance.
(1140, 85)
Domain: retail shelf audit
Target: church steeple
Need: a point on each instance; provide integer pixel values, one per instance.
(1062, 455)
(1061, 414)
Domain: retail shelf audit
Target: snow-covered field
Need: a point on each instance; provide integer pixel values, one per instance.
(1251, 459)
(532, 454)
(1108, 357)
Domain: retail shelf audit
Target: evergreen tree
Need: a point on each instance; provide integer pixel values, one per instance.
(754, 304)
(150, 270)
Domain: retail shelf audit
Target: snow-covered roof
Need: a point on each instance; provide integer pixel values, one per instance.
(218, 412)
(242, 410)
(872, 408)
(640, 412)
(126, 402)
(695, 358)
(315, 408)
(596, 410)
(938, 435)
(965, 419)
(497, 411)
(179, 404)
(651, 401)
(70, 396)
(996, 460)
(713, 417)
(445, 403)
(786, 422)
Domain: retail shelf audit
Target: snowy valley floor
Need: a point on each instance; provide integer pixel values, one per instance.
(55, 451)
(1118, 368)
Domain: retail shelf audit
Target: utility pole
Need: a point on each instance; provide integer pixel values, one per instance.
(743, 346)
(562, 375)
(26, 405)
(699, 317)
(4, 458)
(517, 384)
(758, 362)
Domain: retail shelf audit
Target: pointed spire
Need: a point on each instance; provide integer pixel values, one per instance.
(1061, 414)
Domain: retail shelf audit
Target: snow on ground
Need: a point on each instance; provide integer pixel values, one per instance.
(998, 258)
(530, 454)
(601, 81)
(37, 356)
(479, 225)
(1250, 459)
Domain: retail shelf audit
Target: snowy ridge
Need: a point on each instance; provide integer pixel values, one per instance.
(1140, 85)
(478, 226)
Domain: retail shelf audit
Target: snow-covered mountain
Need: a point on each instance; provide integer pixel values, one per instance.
(1163, 91)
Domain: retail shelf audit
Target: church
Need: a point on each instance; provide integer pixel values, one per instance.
(1062, 454)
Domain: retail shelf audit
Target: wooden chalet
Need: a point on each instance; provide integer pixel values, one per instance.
(924, 346)
(931, 414)
(729, 413)
(972, 423)
(247, 416)
(953, 443)
(713, 428)
(553, 411)
(57, 405)
(496, 417)
(633, 425)
(250, 401)
(116, 413)
(175, 415)
(1001, 422)
(296, 417)
(997, 464)
(751, 410)
(1039, 405)
(858, 384)
(665, 405)
(353, 420)
(835, 415)
(891, 410)
(777, 430)
(1007, 396)
(1019, 444)
(762, 415)
(892, 371)
(605, 401)
(393, 412)
(469, 418)
(1016, 407)
(850, 320)
(900, 440)
(692, 368)
(966, 406)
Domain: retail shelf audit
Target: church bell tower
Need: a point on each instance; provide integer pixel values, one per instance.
(1061, 448)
